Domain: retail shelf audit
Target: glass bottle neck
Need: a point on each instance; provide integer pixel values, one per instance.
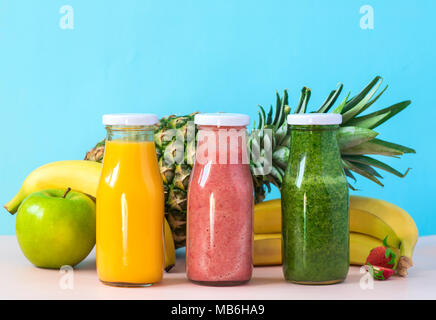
(314, 127)
(315, 137)
(223, 135)
(130, 133)
(222, 145)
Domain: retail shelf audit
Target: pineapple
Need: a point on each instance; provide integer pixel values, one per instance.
(356, 137)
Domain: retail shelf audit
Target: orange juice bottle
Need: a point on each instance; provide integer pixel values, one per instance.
(130, 204)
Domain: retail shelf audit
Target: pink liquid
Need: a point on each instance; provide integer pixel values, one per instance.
(220, 221)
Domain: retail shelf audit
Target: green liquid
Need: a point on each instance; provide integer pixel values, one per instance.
(315, 204)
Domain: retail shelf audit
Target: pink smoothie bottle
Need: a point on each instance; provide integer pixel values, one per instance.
(220, 203)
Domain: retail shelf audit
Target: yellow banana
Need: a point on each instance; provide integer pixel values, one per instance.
(361, 245)
(400, 221)
(365, 222)
(268, 217)
(170, 250)
(373, 217)
(267, 249)
(79, 175)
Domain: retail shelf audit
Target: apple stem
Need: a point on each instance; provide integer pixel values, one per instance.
(66, 192)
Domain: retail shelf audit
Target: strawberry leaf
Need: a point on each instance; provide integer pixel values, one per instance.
(391, 254)
(376, 274)
(392, 260)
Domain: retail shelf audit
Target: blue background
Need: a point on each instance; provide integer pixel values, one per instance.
(230, 55)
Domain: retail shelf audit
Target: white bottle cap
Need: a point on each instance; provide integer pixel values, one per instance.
(130, 119)
(309, 119)
(222, 119)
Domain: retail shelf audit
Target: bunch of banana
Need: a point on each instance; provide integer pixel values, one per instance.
(371, 220)
(79, 175)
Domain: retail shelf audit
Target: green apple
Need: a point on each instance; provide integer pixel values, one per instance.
(56, 227)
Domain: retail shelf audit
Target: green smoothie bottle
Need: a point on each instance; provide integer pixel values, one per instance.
(315, 203)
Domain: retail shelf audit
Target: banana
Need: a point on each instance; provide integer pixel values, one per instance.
(361, 245)
(365, 222)
(400, 221)
(79, 175)
(369, 216)
(268, 217)
(170, 250)
(267, 249)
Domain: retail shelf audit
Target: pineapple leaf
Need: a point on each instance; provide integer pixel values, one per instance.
(281, 114)
(351, 187)
(361, 106)
(300, 102)
(326, 102)
(281, 134)
(304, 100)
(278, 104)
(269, 117)
(340, 107)
(375, 99)
(254, 142)
(284, 103)
(280, 156)
(352, 136)
(276, 176)
(375, 119)
(375, 163)
(286, 140)
(102, 143)
(366, 168)
(377, 146)
(278, 107)
(331, 99)
(363, 171)
(356, 99)
(398, 147)
(349, 174)
(261, 113)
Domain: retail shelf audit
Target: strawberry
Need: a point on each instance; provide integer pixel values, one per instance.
(381, 256)
(380, 273)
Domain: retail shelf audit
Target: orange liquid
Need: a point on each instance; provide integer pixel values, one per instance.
(130, 213)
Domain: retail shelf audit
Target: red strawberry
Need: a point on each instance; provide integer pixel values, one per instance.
(381, 256)
(380, 273)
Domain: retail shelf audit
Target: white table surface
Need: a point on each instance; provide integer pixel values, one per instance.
(21, 280)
